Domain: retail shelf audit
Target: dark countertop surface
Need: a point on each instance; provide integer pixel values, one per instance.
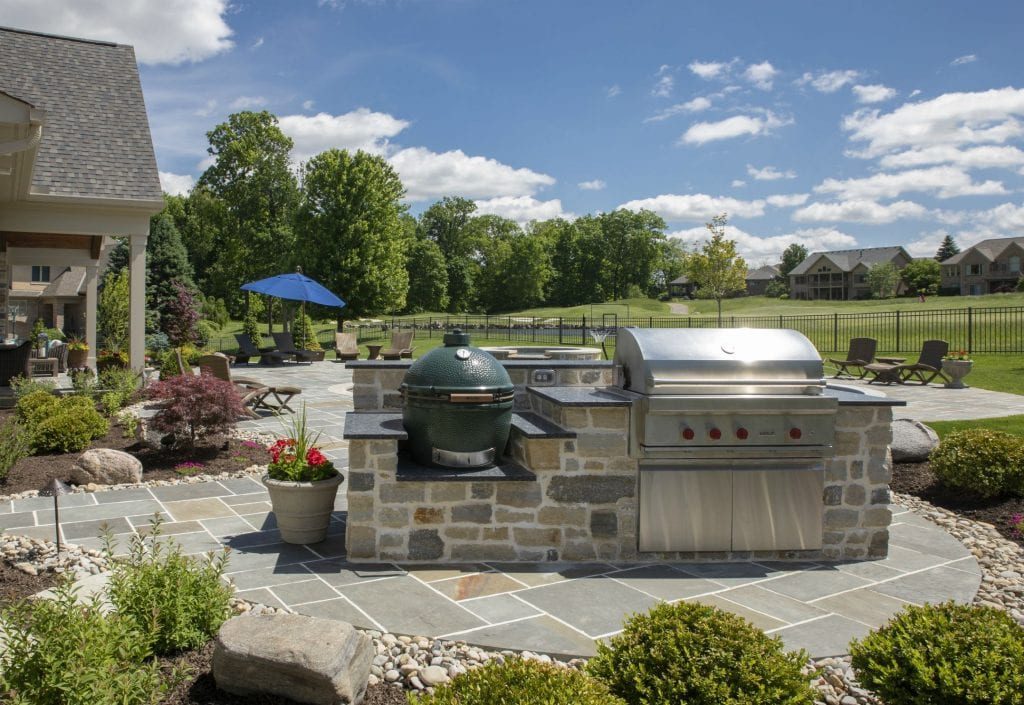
(853, 396)
(583, 396)
(511, 364)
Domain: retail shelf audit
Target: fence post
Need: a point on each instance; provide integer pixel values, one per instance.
(835, 331)
(487, 326)
(970, 328)
(533, 330)
(897, 330)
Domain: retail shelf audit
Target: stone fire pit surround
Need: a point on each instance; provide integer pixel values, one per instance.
(567, 489)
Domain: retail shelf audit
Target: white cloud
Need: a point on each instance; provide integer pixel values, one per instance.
(248, 102)
(176, 184)
(612, 91)
(360, 129)
(927, 243)
(664, 83)
(953, 119)
(868, 212)
(738, 183)
(769, 173)
(828, 81)
(428, 174)
(711, 69)
(1008, 217)
(161, 32)
(698, 104)
(874, 93)
(595, 185)
(207, 109)
(788, 200)
(308, 104)
(987, 157)
(761, 75)
(696, 207)
(523, 209)
(257, 44)
(942, 181)
(736, 126)
(753, 248)
(965, 59)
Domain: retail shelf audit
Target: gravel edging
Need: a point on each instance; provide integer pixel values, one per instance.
(420, 663)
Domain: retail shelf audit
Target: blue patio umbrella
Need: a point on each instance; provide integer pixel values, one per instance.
(296, 287)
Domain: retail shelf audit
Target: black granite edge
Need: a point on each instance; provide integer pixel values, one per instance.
(858, 398)
(378, 364)
(533, 425)
(506, 470)
(582, 396)
(374, 425)
(513, 364)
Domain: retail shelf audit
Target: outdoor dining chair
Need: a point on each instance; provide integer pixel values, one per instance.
(345, 346)
(862, 352)
(401, 345)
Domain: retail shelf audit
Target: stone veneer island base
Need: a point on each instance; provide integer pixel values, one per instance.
(567, 488)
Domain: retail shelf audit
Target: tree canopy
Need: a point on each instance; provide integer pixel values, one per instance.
(716, 269)
(947, 249)
(922, 276)
(883, 279)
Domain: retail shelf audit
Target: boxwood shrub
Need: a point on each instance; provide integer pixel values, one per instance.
(699, 655)
(948, 653)
(980, 463)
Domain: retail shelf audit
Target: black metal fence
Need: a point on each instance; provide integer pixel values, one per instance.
(976, 330)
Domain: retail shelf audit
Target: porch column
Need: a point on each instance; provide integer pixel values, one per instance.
(91, 277)
(137, 305)
(58, 315)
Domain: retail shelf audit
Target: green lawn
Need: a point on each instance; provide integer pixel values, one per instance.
(1006, 424)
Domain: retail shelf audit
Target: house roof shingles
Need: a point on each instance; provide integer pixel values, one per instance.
(848, 260)
(990, 249)
(765, 273)
(96, 141)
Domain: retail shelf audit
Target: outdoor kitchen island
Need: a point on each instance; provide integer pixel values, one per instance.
(571, 484)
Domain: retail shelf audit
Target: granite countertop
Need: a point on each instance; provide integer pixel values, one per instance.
(858, 396)
(511, 364)
(583, 396)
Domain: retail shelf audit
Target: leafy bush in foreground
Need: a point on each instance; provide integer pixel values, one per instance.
(950, 654)
(520, 682)
(195, 407)
(699, 655)
(980, 462)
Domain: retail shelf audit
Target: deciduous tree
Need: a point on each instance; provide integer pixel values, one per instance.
(883, 280)
(922, 276)
(715, 267)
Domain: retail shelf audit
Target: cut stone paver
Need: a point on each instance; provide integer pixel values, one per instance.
(88, 529)
(934, 585)
(500, 608)
(338, 608)
(582, 603)
(198, 509)
(773, 604)
(478, 585)
(407, 606)
(541, 633)
(828, 636)
(296, 593)
(664, 582)
(812, 584)
(758, 619)
(867, 606)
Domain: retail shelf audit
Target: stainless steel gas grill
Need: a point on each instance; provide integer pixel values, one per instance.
(731, 431)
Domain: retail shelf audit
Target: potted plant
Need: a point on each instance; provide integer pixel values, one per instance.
(78, 353)
(302, 484)
(111, 358)
(956, 366)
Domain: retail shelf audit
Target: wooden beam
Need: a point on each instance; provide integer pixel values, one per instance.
(53, 241)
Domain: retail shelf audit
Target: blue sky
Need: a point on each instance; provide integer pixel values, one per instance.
(836, 125)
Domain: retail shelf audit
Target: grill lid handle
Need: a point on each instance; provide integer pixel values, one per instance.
(735, 381)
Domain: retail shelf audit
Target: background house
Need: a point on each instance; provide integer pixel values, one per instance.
(841, 274)
(759, 279)
(76, 167)
(990, 267)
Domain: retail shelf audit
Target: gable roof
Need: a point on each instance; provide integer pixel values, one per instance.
(96, 141)
(848, 260)
(766, 272)
(990, 249)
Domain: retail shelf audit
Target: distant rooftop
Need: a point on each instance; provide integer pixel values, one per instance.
(990, 249)
(848, 260)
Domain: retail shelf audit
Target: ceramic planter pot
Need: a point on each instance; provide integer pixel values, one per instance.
(77, 358)
(303, 509)
(956, 370)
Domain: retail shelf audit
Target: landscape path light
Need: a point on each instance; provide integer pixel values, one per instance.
(55, 488)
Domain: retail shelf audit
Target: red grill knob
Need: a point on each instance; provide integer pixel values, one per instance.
(688, 434)
(795, 433)
(715, 434)
(742, 434)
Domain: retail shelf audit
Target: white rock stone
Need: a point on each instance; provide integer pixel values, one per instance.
(106, 466)
(912, 441)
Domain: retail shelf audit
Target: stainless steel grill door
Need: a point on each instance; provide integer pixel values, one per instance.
(684, 510)
(778, 508)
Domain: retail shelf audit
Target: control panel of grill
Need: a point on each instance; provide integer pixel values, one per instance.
(737, 429)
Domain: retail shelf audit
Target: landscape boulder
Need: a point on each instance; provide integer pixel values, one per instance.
(912, 441)
(309, 660)
(105, 466)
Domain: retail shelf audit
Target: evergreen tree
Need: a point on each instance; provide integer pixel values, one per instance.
(947, 249)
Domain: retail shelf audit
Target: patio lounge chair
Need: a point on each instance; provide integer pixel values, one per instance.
(247, 350)
(862, 352)
(286, 344)
(928, 365)
(345, 346)
(14, 362)
(401, 345)
(252, 392)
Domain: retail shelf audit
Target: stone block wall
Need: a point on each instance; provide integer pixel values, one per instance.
(857, 515)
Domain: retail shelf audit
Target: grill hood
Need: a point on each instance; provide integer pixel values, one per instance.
(718, 361)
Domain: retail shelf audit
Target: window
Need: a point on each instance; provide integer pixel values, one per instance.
(974, 270)
(1014, 263)
(40, 274)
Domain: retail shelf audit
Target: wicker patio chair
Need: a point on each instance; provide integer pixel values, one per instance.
(14, 362)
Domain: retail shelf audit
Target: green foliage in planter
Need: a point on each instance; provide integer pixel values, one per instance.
(178, 601)
(36, 406)
(15, 444)
(699, 655)
(303, 333)
(948, 653)
(980, 463)
(520, 682)
(59, 652)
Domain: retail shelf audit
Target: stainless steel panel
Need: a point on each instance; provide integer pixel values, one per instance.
(778, 509)
(684, 510)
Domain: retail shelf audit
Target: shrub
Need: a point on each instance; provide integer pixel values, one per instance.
(948, 653)
(303, 333)
(178, 601)
(59, 652)
(699, 655)
(520, 682)
(157, 342)
(980, 462)
(121, 385)
(36, 406)
(195, 407)
(70, 429)
(83, 383)
(23, 386)
(15, 444)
